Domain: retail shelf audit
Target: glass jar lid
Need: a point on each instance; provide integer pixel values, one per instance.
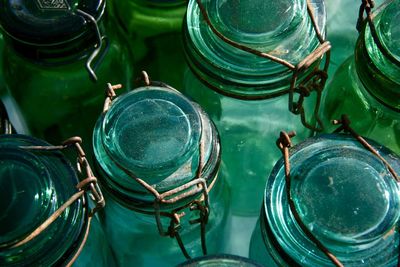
(33, 186)
(42, 22)
(278, 29)
(345, 196)
(220, 260)
(153, 133)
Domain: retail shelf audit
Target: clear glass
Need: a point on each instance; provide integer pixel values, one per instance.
(366, 87)
(346, 197)
(34, 185)
(153, 133)
(221, 260)
(152, 30)
(54, 92)
(248, 127)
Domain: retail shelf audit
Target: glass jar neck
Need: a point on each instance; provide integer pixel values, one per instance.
(35, 185)
(231, 69)
(379, 75)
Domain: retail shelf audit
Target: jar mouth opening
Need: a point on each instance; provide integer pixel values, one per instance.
(243, 72)
(151, 128)
(344, 195)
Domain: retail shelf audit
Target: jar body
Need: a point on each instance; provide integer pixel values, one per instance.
(346, 94)
(261, 248)
(135, 239)
(60, 101)
(153, 33)
(248, 134)
(97, 249)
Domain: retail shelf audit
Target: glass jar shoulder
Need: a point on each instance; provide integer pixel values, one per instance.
(346, 94)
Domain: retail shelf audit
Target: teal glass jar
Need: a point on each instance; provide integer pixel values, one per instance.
(246, 94)
(153, 30)
(221, 260)
(343, 194)
(158, 156)
(49, 43)
(367, 85)
(35, 183)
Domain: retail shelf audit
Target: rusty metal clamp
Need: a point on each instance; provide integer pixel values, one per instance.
(314, 81)
(86, 185)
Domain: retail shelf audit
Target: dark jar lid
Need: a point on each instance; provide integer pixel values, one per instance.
(44, 22)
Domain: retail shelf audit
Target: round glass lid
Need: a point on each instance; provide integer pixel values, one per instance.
(151, 128)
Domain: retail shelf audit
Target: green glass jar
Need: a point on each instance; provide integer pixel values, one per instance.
(48, 45)
(153, 31)
(221, 260)
(2, 86)
(367, 85)
(343, 194)
(34, 184)
(158, 156)
(341, 30)
(247, 95)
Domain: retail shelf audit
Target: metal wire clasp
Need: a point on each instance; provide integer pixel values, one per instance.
(180, 193)
(98, 47)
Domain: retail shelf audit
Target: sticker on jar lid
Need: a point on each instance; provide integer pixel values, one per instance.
(53, 4)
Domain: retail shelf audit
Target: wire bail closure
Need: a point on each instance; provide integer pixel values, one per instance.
(366, 7)
(315, 81)
(86, 185)
(98, 47)
(284, 143)
(197, 186)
